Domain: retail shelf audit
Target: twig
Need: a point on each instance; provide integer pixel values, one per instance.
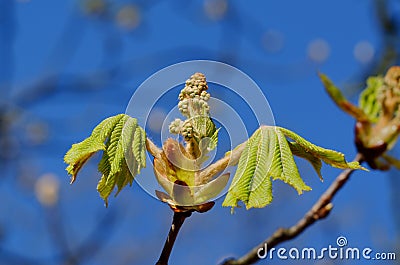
(318, 211)
(177, 222)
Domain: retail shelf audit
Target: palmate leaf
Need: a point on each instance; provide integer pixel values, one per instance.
(81, 152)
(267, 156)
(122, 141)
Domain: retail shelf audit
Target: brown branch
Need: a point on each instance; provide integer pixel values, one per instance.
(177, 222)
(318, 211)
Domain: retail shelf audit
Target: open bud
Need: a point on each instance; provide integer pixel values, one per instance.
(176, 173)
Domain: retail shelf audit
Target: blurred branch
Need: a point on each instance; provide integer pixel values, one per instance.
(7, 37)
(318, 211)
(395, 200)
(97, 238)
(390, 52)
(390, 38)
(56, 232)
(67, 44)
(8, 257)
(81, 253)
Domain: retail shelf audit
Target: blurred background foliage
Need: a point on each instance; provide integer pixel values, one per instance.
(66, 65)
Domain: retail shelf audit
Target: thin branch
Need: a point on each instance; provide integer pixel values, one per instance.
(319, 210)
(177, 222)
(55, 226)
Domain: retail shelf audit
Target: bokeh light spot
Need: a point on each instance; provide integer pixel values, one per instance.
(273, 41)
(94, 7)
(215, 9)
(128, 17)
(46, 189)
(364, 52)
(318, 50)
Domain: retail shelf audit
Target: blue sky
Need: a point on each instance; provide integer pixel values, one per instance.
(64, 69)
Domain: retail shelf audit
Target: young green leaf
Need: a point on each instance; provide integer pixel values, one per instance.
(80, 153)
(341, 101)
(330, 157)
(299, 151)
(241, 183)
(122, 141)
(268, 154)
(213, 140)
(139, 147)
(261, 186)
(368, 100)
(378, 122)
